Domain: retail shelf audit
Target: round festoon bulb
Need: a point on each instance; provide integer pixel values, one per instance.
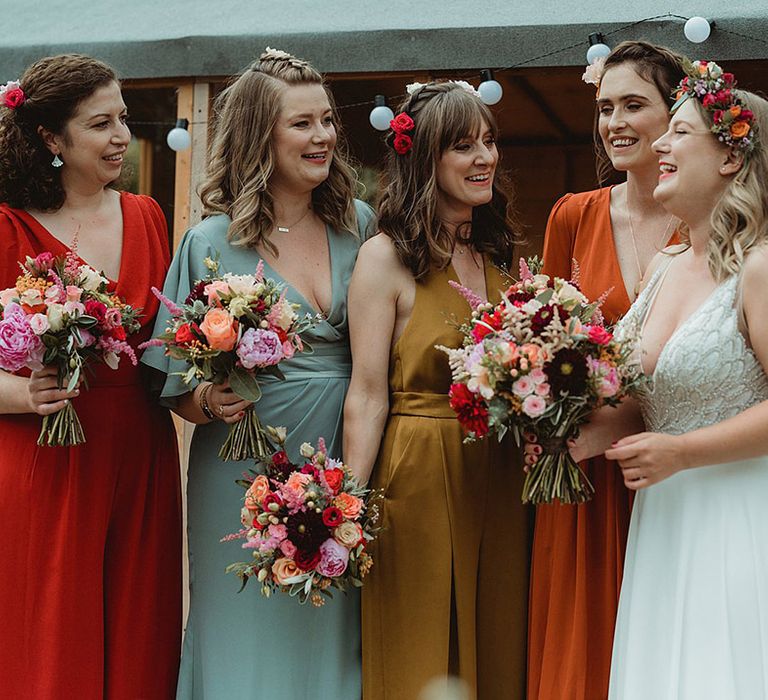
(597, 47)
(697, 30)
(380, 115)
(179, 139)
(490, 90)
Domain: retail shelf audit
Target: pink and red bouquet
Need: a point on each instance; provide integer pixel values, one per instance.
(540, 361)
(308, 526)
(235, 328)
(60, 313)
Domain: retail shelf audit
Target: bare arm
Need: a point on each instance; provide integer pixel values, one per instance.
(647, 458)
(222, 402)
(373, 297)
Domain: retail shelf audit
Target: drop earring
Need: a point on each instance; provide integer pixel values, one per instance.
(57, 162)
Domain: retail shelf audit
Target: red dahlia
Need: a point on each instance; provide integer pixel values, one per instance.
(470, 410)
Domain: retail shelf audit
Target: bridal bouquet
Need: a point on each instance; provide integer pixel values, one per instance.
(308, 526)
(540, 361)
(60, 313)
(234, 328)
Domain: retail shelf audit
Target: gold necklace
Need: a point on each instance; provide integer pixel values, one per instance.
(662, 241)
(287, 229)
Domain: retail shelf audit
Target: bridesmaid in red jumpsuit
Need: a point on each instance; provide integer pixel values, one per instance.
(90, 536)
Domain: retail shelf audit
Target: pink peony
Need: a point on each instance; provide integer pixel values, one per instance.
(534, 406)
(19, 346)
(333, 559)
(259, 348)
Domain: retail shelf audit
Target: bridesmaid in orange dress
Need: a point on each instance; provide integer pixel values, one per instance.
(612, 233)
(90, 593)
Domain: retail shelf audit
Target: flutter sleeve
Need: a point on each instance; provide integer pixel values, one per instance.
(187, 268)
(559, 239)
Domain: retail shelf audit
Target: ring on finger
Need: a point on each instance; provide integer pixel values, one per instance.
(221, 411)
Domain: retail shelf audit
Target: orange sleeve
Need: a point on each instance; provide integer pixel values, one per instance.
(559, 239)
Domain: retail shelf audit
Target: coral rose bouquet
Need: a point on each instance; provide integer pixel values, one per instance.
(307, 525)
(540, 361)
(235, 328)
(61, 313)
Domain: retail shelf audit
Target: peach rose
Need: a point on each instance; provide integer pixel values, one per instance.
(220, 330)
(739, 130)
(532, 352)
(348, 534)
(349, 505)
(212, 290)
(283, 570)
(256, 492)
(735, 110)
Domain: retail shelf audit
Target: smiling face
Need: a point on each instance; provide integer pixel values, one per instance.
(694, 167)
(632, 115)
(303, 138)
(94, 140)
(465, 175)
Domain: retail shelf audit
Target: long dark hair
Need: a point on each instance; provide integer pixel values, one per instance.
(443, 114)
(53, 89)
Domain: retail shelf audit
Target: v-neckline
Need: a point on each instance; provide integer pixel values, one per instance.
(455, 275)
(662, 273)
(121, 267)
(325, 316)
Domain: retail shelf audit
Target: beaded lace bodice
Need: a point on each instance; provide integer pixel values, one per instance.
(706, 372)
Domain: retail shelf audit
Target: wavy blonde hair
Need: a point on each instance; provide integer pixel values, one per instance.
(443, 114)
(242, 157)
(739, 219)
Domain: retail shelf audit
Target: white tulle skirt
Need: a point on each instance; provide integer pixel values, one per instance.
(693, 613)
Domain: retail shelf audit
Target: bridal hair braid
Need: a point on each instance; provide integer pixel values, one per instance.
(54, 87)
(443, 114)
(242, 158)
(657, 65)
(739, 220)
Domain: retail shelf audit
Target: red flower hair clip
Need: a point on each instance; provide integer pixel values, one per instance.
(11, 95)
(401, 126)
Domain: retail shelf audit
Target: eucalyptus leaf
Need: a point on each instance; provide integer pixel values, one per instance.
(244, 384)
(545, 296)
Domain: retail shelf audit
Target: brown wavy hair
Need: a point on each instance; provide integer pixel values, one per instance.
(657, 65)
(53, 88)
(443, 114)
(242, 158)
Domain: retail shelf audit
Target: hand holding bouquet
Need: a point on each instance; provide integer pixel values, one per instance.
(540, 361)
(233, 328)
(60, 313)
(308, 527)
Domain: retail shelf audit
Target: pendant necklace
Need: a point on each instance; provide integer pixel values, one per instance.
(663, 241)
(287, 229)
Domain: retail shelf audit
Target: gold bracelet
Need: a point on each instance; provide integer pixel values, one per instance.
(204, 407)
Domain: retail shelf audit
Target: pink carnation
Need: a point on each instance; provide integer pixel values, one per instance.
(333, 558)
(259, 348)
(19, 346)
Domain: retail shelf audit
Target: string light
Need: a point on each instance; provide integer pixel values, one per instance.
(178, 138)
(597, 48)
(697, 30)
(490, 90)
(380, 115)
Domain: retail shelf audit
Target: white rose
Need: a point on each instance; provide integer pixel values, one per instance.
(569, 296)
(90, 279)
(237, 306)
(55, 317)
(39, 323)
(306, 450)
(244, 285)
(31, 297)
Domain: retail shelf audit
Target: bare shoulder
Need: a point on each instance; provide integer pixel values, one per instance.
(755, 271)
(379, 249)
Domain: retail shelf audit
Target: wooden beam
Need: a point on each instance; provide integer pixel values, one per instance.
(199, 127)
(182, 186)
(146, 156)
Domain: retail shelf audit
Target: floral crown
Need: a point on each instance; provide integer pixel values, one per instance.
(402, 125)
(11, 95)
(733, 123)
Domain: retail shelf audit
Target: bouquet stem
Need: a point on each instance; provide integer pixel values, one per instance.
(246, 439)
(556, 476)
(61, 429)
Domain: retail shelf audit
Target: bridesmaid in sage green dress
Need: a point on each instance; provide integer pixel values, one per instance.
(279, 189)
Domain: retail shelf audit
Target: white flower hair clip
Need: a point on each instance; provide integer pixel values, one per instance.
(463, 84)
(414, 87)
(276, 53)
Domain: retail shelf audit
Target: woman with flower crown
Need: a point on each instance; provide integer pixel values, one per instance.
(612, 233)
(90, 595)
(279, 189)
(692, 619)
(448, 591)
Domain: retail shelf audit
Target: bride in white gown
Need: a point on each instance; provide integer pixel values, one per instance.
(693, 612)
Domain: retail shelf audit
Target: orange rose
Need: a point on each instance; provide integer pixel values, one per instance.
(739, 130)
(349, 505)
(284, 569)
(220, 330)
(735, 110)
(256, 492)
(531, 351)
